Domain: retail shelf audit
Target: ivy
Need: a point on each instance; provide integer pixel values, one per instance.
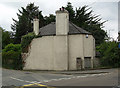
(26, 40)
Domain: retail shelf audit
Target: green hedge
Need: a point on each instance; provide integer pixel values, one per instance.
(26, 40)
(11, 57)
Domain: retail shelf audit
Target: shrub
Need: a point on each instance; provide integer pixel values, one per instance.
(11, 56)
(110, 56)
(12, 47)
(26, 40)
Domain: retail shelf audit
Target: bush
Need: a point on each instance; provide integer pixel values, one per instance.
(11, 57)
(110, 56)
(26, 40)
(12, 47)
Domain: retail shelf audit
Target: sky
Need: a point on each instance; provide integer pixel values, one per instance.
(107, 9)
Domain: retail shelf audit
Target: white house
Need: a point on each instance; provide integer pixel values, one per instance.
(63, 46)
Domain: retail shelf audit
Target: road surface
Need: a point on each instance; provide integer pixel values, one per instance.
(103, 77)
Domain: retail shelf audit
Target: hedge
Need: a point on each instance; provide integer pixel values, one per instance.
(11, 57)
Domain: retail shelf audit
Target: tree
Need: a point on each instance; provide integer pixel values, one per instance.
(69, 8)
(109, 54)
(49, 19)
(84, 18)
(6, 37)
(25, 18)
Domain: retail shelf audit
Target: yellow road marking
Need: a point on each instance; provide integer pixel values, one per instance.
(35, 84)
(28, 85)
(40, 84)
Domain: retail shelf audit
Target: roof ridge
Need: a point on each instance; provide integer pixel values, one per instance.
(50, 29)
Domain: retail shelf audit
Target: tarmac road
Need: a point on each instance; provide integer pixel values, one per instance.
(103, 77)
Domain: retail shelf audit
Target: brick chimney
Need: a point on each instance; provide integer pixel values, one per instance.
(36, 26)
(62, 22)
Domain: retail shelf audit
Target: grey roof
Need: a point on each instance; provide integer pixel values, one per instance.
(50, 29)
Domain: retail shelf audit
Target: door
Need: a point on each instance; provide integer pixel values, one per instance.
(79, 63)
(87, 62)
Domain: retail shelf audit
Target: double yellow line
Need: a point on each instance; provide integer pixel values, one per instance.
(36, 84)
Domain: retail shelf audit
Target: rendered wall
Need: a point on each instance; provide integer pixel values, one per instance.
(48, 53)
(41, 54)
(59, 52)
(75, 50)
(80, 47)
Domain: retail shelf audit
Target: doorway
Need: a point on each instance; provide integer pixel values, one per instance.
(79, 63)
(87, 62)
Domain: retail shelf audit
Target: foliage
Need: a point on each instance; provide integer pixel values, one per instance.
(49, 19)
(6, 37)
(24, 25)
(12, 47)
(69, 8)
(109, 54)
(84, 18)
(26, 40)
(11, 57)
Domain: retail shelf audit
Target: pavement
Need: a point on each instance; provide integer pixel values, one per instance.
(101, 77)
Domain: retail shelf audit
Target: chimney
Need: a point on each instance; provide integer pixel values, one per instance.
(62, 22)
(36, 26)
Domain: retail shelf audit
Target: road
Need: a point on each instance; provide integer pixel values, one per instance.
(103, 77)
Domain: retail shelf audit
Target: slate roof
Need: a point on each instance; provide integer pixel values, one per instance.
(50, 29)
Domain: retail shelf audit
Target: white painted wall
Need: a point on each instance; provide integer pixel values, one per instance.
(48, 53)
(41, 54)
(59, 52)
(75, 50)
(80, 47)
(89, 47)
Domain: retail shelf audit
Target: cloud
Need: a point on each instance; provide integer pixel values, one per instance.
(107, 10)
(6, 16)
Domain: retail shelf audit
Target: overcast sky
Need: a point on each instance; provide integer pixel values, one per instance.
(108, 10)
